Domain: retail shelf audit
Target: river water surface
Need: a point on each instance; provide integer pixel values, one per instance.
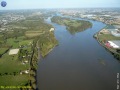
(79, 62)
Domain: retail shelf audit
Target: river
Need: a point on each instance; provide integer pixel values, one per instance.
(79, 62)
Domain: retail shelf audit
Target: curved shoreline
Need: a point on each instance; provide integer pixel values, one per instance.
(103, 44)
(51, 51)
(39, 57)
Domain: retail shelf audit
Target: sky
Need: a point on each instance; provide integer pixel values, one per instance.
(38, 4)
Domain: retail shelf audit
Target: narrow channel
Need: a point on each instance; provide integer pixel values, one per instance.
(79, 62)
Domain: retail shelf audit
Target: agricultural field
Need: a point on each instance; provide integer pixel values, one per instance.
(13, 81)
(33, 33)
(23, 35)
(10, 64)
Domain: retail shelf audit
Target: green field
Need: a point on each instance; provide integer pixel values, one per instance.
(26, 42)
(2, 50)
(10, 80)
(107, 37)
(33, 33)
(10, 64)
(17, 42)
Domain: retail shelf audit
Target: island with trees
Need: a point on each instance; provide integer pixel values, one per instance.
(72, 25)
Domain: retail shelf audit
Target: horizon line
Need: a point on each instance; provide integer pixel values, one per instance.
(63, 8)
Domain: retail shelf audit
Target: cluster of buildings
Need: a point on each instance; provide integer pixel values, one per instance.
(7, 18)
(108, 16)
(10, 18)
(104, 18)
(113, 30)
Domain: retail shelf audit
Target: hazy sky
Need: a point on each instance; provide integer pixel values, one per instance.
(33, 4)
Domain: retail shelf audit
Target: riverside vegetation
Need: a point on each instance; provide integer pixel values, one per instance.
(24, 35)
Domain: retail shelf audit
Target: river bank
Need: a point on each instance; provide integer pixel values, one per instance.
(38, 54)
(19, 68)
(103, 43)
(66, 67)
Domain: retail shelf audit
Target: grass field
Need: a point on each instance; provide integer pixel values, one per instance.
(2, 50)
(10, 64)
(19, 41)
(25, 42)
(1, 36)
(107, 37)
(33, 33)
(11, 80)
(14, 42)
(73, 23)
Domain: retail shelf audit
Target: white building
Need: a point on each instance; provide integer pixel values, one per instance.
(114, 44)
(116, 33)
(52, 29)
